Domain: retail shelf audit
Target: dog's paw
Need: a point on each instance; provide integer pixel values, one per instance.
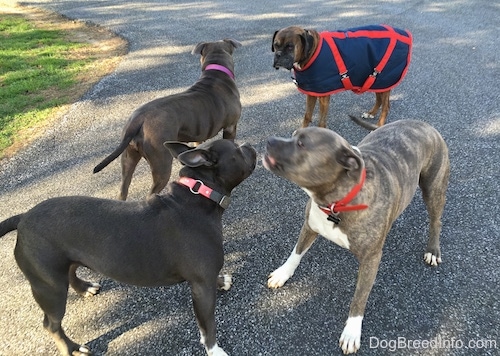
(83, 350)
(278, 278)
(225, 282)
(366, 115)
(432, 259)
(92, 289)
(350, 340)
(216, 351)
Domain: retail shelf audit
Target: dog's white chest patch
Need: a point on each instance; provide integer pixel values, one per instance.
(319, 223)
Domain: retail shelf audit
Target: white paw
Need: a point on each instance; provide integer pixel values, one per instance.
(228, 282)
(277, 278)
(93, 290)
(216, 351)
(83, 350)
(350, 340)
(365, 115)
(431, 259)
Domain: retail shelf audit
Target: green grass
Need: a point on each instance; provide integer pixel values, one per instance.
(36, 67)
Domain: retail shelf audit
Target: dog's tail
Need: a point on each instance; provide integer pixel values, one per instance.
(363, 123)
(10, 224)
(135, 124)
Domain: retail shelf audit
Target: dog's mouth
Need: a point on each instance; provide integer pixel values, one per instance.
(269, 162)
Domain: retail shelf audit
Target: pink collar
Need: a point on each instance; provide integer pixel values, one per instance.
(196, 186)
(221, 69)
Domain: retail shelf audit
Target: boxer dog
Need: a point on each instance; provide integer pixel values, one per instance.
(195, 115)
(164, 240)
(371, 58)
(357, 193)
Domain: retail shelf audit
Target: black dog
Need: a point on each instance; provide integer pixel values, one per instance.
(165, 240)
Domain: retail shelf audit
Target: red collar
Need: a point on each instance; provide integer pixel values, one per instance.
(221, 69)
(341, 205)
(198, 187)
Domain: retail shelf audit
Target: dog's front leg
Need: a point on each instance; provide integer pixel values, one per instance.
(310, 104)
(350, 340)
(282, 274)
(204, 297)
(324, 105)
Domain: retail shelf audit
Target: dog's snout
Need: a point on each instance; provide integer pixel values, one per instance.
(272, 141)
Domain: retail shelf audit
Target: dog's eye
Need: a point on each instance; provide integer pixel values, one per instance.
(300, 143)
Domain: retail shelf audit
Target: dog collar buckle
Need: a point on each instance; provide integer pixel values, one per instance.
(333, 218)
(197, 187)
(224, 201)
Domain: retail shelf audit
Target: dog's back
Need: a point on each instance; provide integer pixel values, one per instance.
(408, 153)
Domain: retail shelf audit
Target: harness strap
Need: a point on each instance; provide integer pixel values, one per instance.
(346, 81)
(344, 76)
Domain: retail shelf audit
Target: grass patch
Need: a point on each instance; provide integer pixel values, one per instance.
(46, 64)
(32, 62)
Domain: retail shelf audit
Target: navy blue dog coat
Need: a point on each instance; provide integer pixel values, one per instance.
(372, 58)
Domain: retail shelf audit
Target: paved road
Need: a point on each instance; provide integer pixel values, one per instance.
(453, 83)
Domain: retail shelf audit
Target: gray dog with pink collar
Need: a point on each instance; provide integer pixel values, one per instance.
(357, 193)
(210, 105)
(163, 240)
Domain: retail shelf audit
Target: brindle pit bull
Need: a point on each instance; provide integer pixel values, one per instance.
(357, 193)
(165, 240)
(210, 105)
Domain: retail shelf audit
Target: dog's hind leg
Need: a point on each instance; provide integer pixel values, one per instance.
(84, 288)
(49, 286)
(433, 184)
(381, 100)
(161, 168)
(129, 159)
(229, 133)
(53, 304)
(386, 105)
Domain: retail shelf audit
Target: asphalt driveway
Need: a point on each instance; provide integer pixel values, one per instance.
(452, 83)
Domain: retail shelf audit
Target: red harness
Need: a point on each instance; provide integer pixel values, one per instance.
(339, 206)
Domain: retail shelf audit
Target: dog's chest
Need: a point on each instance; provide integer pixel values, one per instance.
(319, 223)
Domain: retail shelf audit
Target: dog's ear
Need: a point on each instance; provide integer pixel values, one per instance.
(195, 158)
(272, 43)
(305, 38)
(348, 159)
(198, 48)
(176, 148)
(189, 156)
(234, 43)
